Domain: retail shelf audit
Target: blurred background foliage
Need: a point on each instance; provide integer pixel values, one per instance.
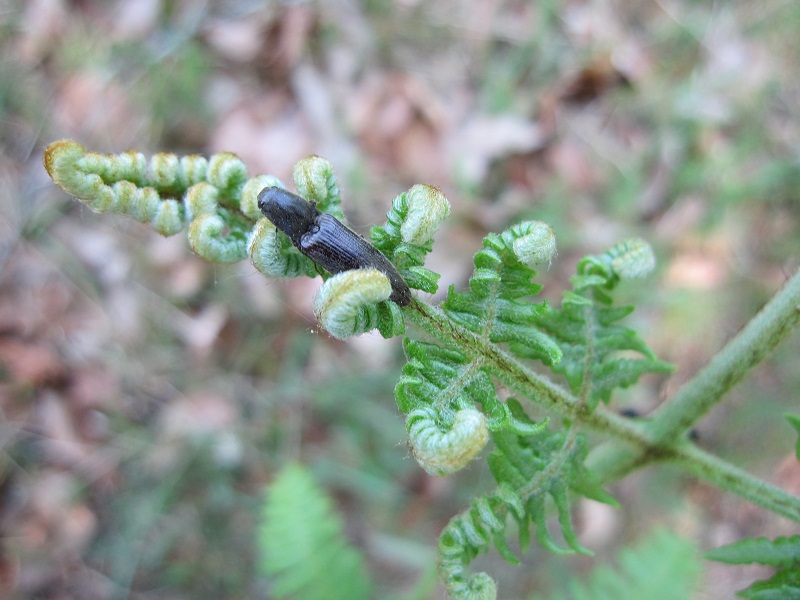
(147, 397)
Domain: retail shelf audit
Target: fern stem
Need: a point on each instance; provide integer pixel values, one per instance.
(698, 395)
(750, 346)
(773, 323)
(533, 386)
(726, 476)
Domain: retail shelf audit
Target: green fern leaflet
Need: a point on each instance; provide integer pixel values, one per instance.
(304, 550)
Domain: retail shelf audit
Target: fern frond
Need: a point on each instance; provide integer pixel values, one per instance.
(304, 549)
(660, 567)
(587, 331)
(353, 302)
(784, 585)
(470, 533)
(447, 381)
(314, 179)
(273, 254)
(494, 306)
(782, 552)
(407, 237)
(542, 466)
(529, 470)
(168, 191)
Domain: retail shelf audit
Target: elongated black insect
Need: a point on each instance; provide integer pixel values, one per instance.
(326, 240)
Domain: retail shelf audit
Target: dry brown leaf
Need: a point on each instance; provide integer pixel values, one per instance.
(286, 40)
(399, 123)
(593, 80)
(136, 18)
(88, 104)
(60, 441)
(42, 26)
(35, 363)
(92, 387)
(200, 330)
(484, 138)
(238, 41)
(573, 163)
(198, 414)
(266, 143)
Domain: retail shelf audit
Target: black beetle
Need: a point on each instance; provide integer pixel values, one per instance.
(326, 240)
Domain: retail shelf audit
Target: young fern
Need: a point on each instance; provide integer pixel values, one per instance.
(443, 382)
(478, 338)
(407, 237)
(662, 566)
(304, 551)
(782, 553)
(587, 331)
(529, 470)
(443, 386)
(495, 306)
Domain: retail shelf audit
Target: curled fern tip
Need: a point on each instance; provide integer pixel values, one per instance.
(536, 245)
(346, 303)
(632, 259)
(427, 209)
(444, 449)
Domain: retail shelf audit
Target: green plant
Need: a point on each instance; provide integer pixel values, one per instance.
(662, 565)
(477, 338)
(783, 553)
(304, 549)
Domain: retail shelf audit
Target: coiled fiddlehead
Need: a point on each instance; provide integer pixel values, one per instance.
(438, 390)
(218, 204)
(405, 240)
(444, 448)
(354, 301)
(407, 237)
(315, 181)
(168, 192)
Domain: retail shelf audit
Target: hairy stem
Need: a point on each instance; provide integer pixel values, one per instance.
(725, 476)
(729, 366)
(531, 385)
(698, 395)
(641, 446)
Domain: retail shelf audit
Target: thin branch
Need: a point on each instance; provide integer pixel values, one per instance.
(723, 475)
(640, 449)
(728, 367)
(698, 395)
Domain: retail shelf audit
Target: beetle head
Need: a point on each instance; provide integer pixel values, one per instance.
(289, 212)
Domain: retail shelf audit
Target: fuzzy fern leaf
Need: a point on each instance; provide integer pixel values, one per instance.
(530, 471)
(407, 237)
(548, 464)
(660, 567)
(494, 306)
(439, 384)
(595, 347)
(304, 549)
(783, 553)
